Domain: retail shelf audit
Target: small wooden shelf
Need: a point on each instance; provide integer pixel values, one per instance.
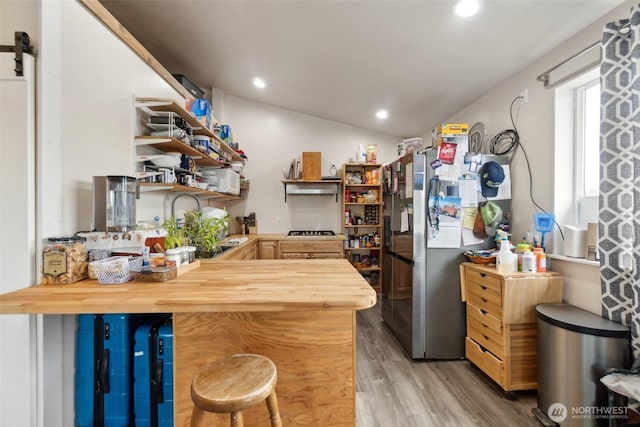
(361, 204)
(373, 248)
(172, 144)
(177, 188)
(363, 225)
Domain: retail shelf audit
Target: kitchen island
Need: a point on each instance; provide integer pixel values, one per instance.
(299, 313)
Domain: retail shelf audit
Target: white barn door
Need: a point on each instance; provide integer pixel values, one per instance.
(18, 231)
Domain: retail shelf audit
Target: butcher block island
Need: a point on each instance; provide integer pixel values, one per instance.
(299, 313)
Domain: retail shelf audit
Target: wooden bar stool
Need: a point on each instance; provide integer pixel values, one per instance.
(232, 385)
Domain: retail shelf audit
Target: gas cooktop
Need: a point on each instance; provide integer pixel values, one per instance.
(311, 233)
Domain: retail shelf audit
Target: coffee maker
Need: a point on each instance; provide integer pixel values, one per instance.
(114, 203)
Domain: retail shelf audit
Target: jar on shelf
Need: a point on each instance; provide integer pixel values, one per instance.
(64, 260)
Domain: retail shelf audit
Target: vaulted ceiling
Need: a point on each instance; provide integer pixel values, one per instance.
(343, 60)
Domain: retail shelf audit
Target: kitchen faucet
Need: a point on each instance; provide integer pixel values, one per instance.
(173, 203)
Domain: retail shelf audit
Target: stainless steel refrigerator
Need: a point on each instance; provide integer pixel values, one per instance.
(420, 298)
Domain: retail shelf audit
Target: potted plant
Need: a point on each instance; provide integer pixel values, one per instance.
(175, 235)
(204, 232)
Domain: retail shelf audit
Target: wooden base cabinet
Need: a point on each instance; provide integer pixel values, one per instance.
(268, 249)
(501, 321)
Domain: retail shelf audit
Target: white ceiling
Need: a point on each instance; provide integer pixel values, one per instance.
(343, 60)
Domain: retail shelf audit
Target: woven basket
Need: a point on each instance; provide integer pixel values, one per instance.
(479, 259)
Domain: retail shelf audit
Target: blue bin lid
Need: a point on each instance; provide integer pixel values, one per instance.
(567, 316)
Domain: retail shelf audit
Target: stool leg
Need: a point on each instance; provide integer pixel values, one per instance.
(272, 405)
(197, 417)
(236, 419)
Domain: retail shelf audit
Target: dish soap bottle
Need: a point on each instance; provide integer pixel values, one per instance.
(506, 261)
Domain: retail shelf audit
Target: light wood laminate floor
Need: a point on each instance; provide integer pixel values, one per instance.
(392, 390)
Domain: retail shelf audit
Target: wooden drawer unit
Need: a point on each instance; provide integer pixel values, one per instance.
(483, 359)
(309, 249)
(501, 322)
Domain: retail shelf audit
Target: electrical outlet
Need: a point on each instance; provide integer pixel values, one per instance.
(524, 96)
(278, 220)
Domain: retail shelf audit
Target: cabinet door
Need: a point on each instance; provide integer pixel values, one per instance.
(243, 253)
(268, 249)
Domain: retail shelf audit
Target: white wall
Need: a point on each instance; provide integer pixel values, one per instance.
(272, 137)
(535, 123)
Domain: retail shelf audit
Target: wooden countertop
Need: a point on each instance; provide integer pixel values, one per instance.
(223, 286)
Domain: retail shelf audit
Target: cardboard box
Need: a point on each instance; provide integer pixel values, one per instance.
(311, 165)
(453, 129)
(592, 241)
(451, 132)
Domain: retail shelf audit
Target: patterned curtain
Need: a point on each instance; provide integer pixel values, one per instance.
(619, 228)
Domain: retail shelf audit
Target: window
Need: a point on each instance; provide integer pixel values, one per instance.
(577, 152)
(587, 151)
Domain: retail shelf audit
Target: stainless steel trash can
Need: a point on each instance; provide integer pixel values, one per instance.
(575, 347)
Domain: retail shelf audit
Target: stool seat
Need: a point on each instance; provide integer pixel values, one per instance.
(234, 384)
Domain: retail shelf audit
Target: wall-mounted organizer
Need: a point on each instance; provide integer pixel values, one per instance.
(362, 223)
(163, 127)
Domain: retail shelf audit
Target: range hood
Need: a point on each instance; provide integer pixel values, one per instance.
(311, 188)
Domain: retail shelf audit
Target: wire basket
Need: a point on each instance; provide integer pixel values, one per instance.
(116, 269)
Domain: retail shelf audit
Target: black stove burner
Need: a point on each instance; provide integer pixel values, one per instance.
(311, 233)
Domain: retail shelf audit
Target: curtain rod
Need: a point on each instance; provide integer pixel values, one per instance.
(544, 77)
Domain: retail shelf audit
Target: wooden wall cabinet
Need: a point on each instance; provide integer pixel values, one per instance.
(310, 249)
(501, 321)
(362, 222)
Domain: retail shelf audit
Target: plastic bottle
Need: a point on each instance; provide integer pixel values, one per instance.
(528, 262)
(541, 259)
(506, 261)
(520, 249)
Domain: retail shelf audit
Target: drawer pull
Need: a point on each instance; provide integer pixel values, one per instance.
(484, 350)
(483, 311)
(484, 288)
(486, 337)
(483, 275)
(484, 300)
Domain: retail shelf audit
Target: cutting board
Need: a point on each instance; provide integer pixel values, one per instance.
(311, 165)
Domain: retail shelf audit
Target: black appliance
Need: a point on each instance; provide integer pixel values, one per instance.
(297, 233)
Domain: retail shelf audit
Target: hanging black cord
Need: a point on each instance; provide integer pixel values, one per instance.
(507, 142)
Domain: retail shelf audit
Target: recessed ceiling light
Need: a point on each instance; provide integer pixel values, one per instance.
(382, 114)
(466, 8)
(258, 82)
